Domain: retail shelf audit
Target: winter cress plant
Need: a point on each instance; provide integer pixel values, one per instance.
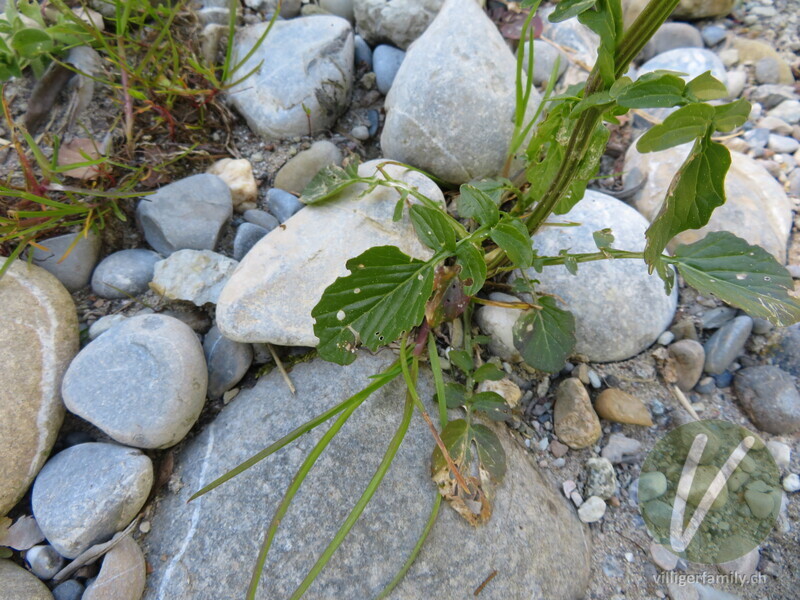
(389, 297)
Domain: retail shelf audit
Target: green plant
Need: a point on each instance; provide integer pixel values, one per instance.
(388, 295)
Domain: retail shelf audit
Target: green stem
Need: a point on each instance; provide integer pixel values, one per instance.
(369, 492)
(390, 374)
(438, 380)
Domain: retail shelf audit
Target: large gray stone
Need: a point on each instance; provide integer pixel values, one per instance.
(270, 295)
(124, 273)
(399, 21)
(619, 308)
(188, 213)
(757, 209)
(451, 107)
(70, 261)
(210, 545)
(143, 382)
(38, 339)
(306, 65)
(671, 36)
(770, 397)
(87, 493)
(18, 584)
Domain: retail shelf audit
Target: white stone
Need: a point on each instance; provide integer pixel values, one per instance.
(782, 453)
(197, 276)
(399, 21)
(270, 296)
(791, 483)
(498, 323)
(592, 510)
(238, 174)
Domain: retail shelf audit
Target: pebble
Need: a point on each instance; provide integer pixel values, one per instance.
(111, 382)
(188, 213)
(783, 144)
(723, 380)
(615, 405)
(340, 8)
(760, 498)
(282, 204)
(122, 575)
(386, 61)
(592, 510)
(761, 326)
(770, 397)
(238, 174)
(621, 449)
(651, 485)
(769, 96)
(247, 235)
(363, 53)
(726, 344)
(303, 76)
(794, 182)
(594, 379)
(758, 137)
(788, 111)
(374, 121)
(775, 125)
(717, 317)
(642, 310)
(754, 51)
(38, 339)
(557, 449)
(75, 270)
(575, 422)
(706, 385)
(227, 361)
(767, 70)
(713, 34)
(261, 218)
(498, 323)
(688, 358)
(782, 453)
(44, 561)
(71, 589)
(196, 276)
(729, 56)
(125, 273)
(506, 388)
(74, 512)
(671, 36)
(360, 132)
(601, 481)
(666, 338)
(662, 557)
(462, 39)
(295, 175)
(19, 584)
(397, 22)
(791, 483)
(737, 79)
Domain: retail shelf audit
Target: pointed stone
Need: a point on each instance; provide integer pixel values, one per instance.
(615, 405)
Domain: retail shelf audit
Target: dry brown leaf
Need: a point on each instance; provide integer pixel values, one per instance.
(79, 150)
(22, 535)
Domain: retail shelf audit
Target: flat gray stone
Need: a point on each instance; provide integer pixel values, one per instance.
(188, 213)
(124, 273)
(270, 296)
(87, 493)
(143, 382)
(210, 545)
(450, 109)
(726, 344)
(770, 397)
(306, 65)
(300, 169)
(399, 22)
(757, 209)
(671, 36)
(122, 575)
(619, 308)
(38, 339)
(75, 270)
(386, 61)
(227, 361)
(19, 584)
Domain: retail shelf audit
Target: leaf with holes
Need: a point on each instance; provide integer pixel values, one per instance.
(383, 296)
(473, 268)
(546, 337)
(330, 182)
(739, 274)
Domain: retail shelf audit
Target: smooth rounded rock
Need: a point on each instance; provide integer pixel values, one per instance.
(188, 213)
(526, 508)
(87, 493)
(713, 34)
(282, 204)
(754, 51)
(71, 262)
(386, 61)
(303, 77)
(574, 420)
(615, 405)
(651, 485)
(592, 510)
(69, 590)
(227, 361)
(450, 109)
(363, 53)
(300, 169)
(340, 8)
(619, 308)
(247, 235)
(238, 175)
(261, 218)
(756, 208)
(196, 276)
(671, 36)
(124, 273)
(18, 584)
(143, 382)
(44, 561)
(770, 397)
(498, 323)
(726, 344)
(38, 339)
(689, 357)
(122, 575)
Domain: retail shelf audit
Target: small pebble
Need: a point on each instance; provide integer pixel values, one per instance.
(592, 510)
(44, 561)
(247, 236)
(713, 34)
(651, 485)
(666, 338)
(726, 344)
(717, 317)
(282, 204)
(69, 590)
(662, 557)
(386, 61)
(620, 449)
(782, 144)
(782, 453)
(360, 132)
(363, 53)
(706, 385)
(615, 405)
(374, 121)
(261, 218)
(601, 479)
(723, 380)
(791, 483)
